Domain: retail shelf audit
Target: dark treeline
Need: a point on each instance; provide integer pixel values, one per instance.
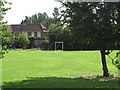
(81, 32)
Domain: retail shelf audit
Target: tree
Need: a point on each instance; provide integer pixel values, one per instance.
(3, 28)
(58, 33)
(7, 39)
(32, 42)
(23, 40)
(42, 18)
(94, 24)
(116, 60)
(39, 18)
(56, 15)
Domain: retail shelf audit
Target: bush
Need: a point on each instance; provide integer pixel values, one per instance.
(21, 41)
(32, 42)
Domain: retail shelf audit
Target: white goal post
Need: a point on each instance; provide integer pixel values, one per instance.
(59, 43)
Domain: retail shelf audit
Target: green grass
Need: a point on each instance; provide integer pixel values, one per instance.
(55, 69)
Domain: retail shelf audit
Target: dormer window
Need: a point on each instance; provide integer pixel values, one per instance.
(44, 29)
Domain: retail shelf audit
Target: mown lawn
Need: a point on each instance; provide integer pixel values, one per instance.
(55, 69)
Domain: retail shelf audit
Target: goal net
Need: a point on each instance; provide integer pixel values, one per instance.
(59, 46)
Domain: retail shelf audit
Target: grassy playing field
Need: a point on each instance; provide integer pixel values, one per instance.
(57, 69)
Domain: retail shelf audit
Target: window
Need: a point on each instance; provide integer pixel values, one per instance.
(29, 33)
(14, 34)
(26, 33)
(32, 34)
(35, 34)
(39, 34)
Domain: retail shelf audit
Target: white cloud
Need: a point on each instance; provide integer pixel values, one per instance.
(21, 8)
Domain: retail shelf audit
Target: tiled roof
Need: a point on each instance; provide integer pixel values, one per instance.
(27, 28)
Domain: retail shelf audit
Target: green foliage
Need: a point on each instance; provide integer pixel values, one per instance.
(45, 40)
(116, 61)
(39, 18)
(23, 40)
(42, 18)
(55, 12)
(58, 33)
(3, 28)
(35, 19)
(7, 39)
(94, 24)
(3, 9)
(32, 42)
(91, 22)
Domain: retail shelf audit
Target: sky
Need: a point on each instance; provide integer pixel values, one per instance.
(21, 8)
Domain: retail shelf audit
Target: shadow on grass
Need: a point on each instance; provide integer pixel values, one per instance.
(59, 82)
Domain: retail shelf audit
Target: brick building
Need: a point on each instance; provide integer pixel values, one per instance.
(35, 30)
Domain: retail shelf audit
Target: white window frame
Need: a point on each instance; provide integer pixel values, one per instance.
(26, 33)
(14, 34)
(38, 34)
(32, 34)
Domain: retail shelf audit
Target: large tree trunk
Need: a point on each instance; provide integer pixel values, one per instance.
(105, 69)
